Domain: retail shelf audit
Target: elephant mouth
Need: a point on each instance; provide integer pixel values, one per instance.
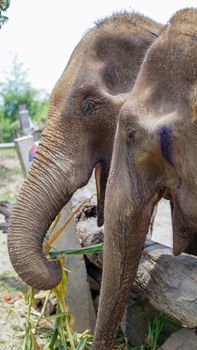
(101, 176)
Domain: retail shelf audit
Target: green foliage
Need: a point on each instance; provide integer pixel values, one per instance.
(154, 331)
(16, 90)
(60, 335)
(7, 130)
(96, 248)
(4, 4)
(39, 109)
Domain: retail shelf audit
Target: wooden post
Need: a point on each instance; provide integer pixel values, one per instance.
(23, 145)
(6, 145)
(24, 120)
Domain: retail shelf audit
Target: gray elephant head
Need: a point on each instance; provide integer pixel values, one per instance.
(79, 135)
(154, 156)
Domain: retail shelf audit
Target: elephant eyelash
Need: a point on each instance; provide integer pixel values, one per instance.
(88, 105)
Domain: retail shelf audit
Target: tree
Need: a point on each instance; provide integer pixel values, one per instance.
(15, 91)
(4, 4)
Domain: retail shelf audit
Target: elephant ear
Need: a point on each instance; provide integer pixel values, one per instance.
(121, 56)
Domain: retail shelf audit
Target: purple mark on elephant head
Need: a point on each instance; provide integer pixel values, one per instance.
(164, 134)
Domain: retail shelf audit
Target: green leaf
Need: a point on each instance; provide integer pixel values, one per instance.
(81, 344)
(97, 248)
(53, 340)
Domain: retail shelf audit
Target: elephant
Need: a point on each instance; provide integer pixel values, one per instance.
(78, 137)
(154, 156)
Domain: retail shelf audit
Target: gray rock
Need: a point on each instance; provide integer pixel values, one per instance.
(184, 339)
(80, 195)
(136, 315)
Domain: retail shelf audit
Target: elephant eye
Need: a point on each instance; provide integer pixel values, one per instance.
(88, 105)
(130, 134)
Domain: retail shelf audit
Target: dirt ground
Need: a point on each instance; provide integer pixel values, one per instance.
(11, 297)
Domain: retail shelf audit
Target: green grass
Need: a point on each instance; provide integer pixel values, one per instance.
(7, 173)
(8, 152)
(97, 248)
(154, 331)
(6, 196)
(7, 178)
(10, 172)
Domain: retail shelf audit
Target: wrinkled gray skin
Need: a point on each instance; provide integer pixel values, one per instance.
(79, 135)
(154, 156)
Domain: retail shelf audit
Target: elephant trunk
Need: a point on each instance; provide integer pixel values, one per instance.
(43, 195)
(130, 201)
(122, 251)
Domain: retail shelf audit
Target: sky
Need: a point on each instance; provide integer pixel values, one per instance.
(43, 33)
